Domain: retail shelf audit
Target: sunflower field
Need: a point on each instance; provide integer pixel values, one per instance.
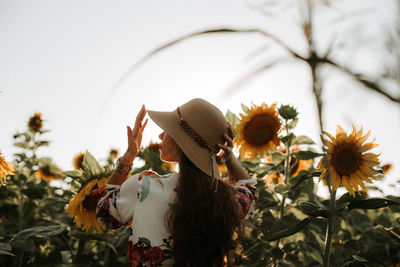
(48, 223)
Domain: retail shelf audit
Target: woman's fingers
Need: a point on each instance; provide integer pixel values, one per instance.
(229, 140)
(139, 119)
(140, 116)
(226, 149)
(144, 124)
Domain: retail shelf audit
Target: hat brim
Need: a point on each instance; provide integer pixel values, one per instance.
(200, 156)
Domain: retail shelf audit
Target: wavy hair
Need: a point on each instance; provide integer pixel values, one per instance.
(205, 223)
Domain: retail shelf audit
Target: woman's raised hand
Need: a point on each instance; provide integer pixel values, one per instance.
(135, 134)
(227, 147)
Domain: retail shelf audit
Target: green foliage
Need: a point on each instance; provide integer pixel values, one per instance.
(287, 228)
(35, 230)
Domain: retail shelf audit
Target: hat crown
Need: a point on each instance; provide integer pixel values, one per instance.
(197, 127)
(206, 120)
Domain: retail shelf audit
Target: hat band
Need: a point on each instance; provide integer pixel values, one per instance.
(196, 137)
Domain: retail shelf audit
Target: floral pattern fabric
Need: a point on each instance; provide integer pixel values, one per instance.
(144, 254)
(141, 203)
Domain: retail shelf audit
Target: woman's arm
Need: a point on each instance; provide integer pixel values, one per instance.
(119, 174)
(236, 171)
(124, 164)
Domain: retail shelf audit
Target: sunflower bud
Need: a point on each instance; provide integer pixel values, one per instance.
(154, 147)
(114, 153)
(386, 168)
(35, 123)
(288, 112)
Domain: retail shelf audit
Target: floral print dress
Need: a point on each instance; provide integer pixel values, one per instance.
(141, 203)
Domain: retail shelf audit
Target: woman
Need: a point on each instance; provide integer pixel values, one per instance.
(190, 218)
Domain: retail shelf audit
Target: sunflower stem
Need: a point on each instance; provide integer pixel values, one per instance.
(330, 229)
(286, 174)
(107, 257)
(21, 255)
(287, 166)
(79, 251)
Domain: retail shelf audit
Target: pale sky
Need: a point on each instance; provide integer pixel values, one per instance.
(62, 57)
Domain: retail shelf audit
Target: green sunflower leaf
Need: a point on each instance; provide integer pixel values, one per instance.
(281, 189)
(289, 231)
(91, 166)
(288, 139)
(232, 118)
(303, 140)
(39, 232)
(277, 158)
(302, 177)
(73, 174)
(305, 155)
(372, 203)
(292, 124)
(359, 259)
(5, 249)
(22, 145)
(313, 209)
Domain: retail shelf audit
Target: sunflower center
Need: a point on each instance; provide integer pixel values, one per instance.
(35, 123)
(46, 171)
(346, 160)
(90, 202)
(260, 130)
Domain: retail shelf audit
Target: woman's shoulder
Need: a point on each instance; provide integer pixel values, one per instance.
(151, 174)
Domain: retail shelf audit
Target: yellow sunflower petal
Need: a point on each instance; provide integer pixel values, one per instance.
(335, 182)
(340, 130)
(322, 176)
(330, 136)
(359, 133)
(359, 181)
(368, 146)
(320, 164)
(364, 138)
(6, 168)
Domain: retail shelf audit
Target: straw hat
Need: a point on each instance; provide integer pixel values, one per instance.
(197, 127)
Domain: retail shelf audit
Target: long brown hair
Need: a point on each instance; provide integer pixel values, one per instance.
(205, 221)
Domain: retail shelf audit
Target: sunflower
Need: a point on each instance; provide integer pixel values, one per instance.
(154, 147)
(83, 205)
(258, 131)
(78, 161)
(35, 123)
(346, 161)
(48, 172)
(223, 170)
(6, 168)
(168, 166)
(114, 153)
(272, 180)
(387, 168)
